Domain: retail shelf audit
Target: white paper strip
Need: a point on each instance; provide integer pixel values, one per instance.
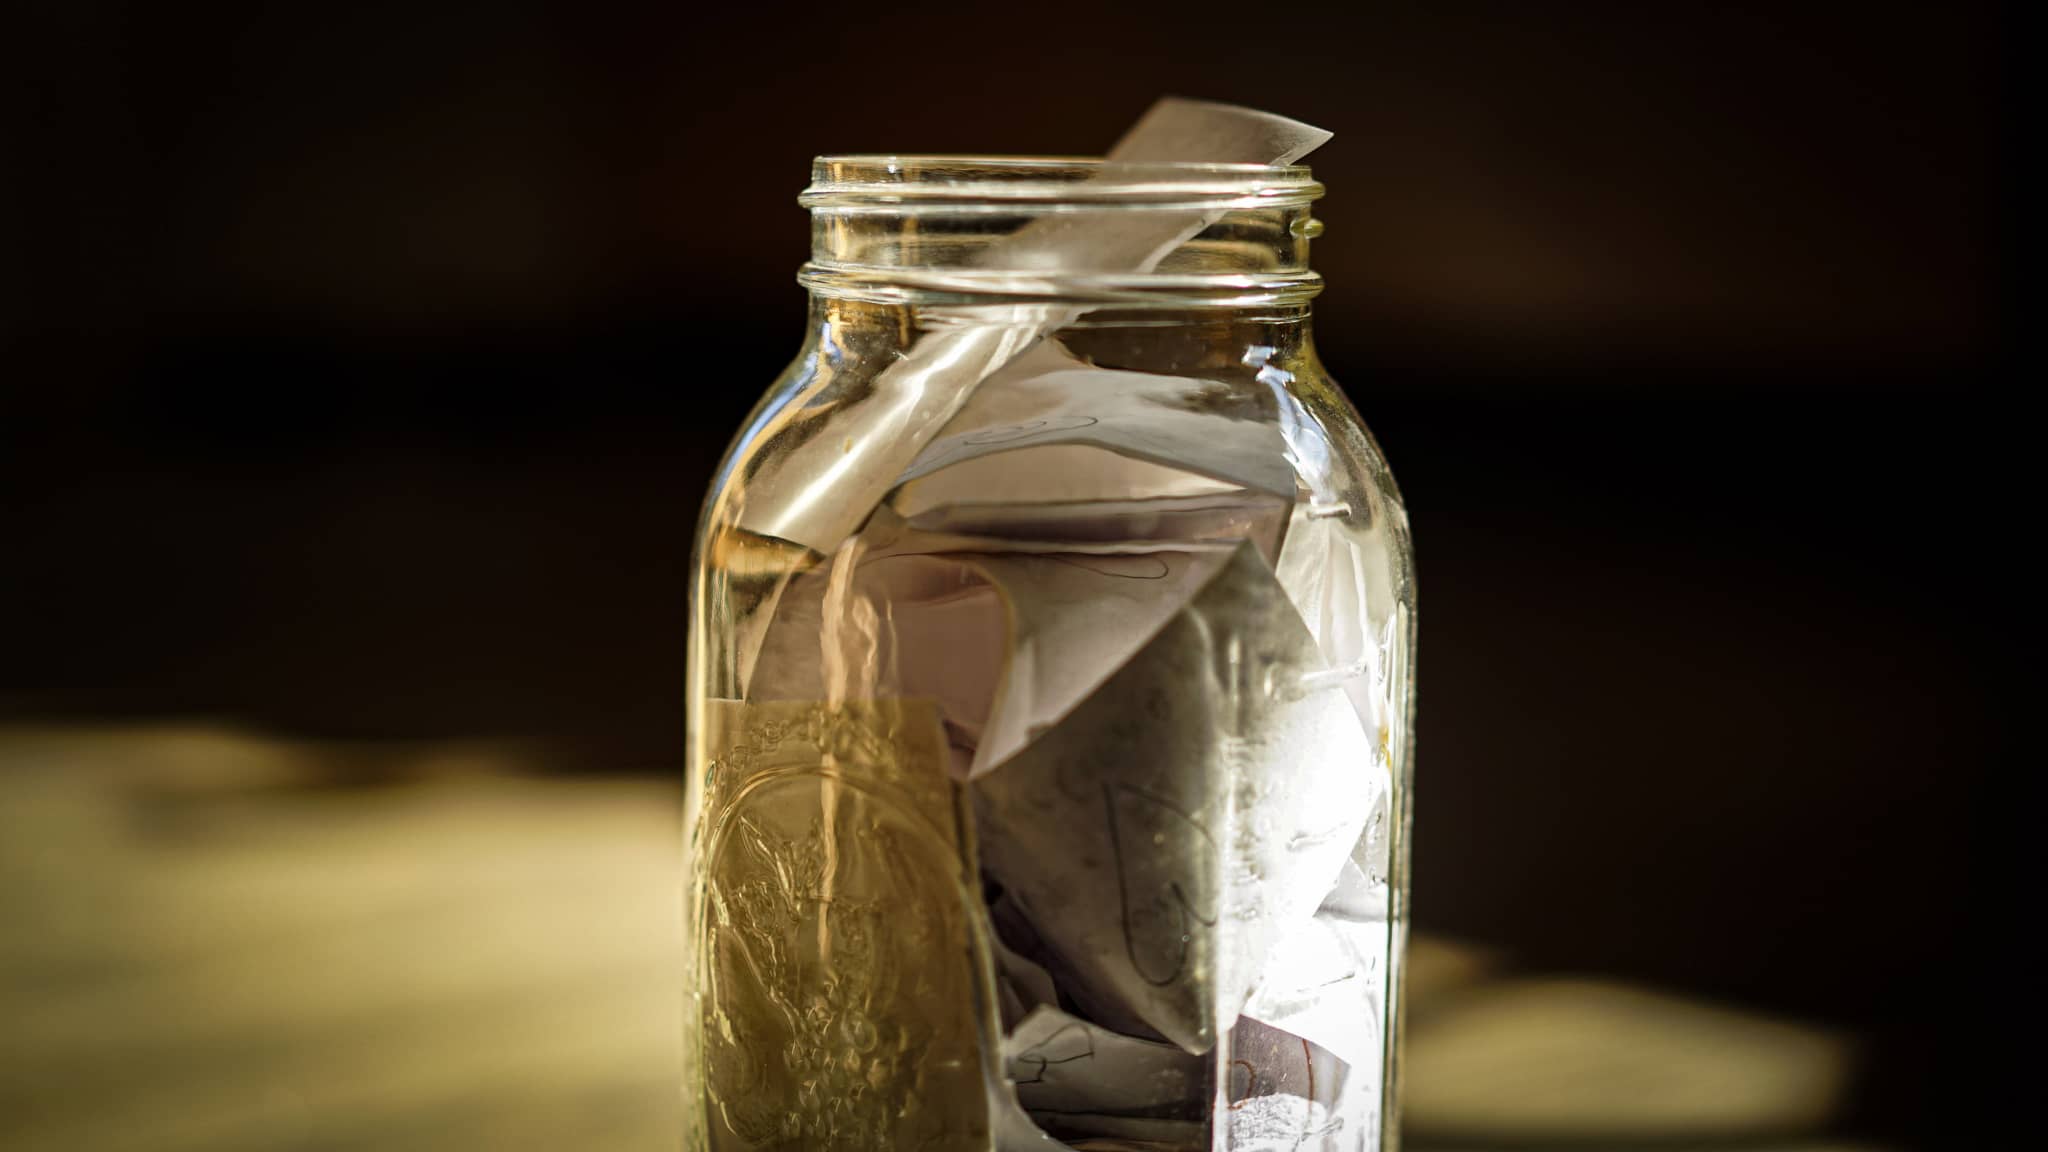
(822, 490)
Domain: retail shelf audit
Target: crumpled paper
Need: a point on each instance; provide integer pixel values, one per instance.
(1164, 834)
(1185, 816)
(1006, 644)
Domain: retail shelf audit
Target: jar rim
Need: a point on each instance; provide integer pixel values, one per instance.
(852, 182)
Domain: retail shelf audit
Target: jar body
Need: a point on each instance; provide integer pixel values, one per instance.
(1049, 742)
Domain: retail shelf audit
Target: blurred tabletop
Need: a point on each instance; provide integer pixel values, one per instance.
(213, 940)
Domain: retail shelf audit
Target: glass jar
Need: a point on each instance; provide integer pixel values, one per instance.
(1049, 683)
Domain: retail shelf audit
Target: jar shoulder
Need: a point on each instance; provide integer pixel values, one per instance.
(846, 424)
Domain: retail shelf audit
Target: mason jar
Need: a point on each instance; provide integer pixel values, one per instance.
(1050, 685)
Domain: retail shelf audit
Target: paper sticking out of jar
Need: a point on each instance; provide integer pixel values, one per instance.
(820, 492)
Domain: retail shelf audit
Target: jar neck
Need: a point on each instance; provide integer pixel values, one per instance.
(1252, 341)
(1070, 236)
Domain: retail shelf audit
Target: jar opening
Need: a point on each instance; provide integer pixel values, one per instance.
(1047, 183)
(929, 229)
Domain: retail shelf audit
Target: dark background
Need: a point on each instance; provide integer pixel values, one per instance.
(368, 365)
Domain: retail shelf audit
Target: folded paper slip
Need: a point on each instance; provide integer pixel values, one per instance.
(820, 492)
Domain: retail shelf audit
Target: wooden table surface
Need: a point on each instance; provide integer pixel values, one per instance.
(214, 941)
